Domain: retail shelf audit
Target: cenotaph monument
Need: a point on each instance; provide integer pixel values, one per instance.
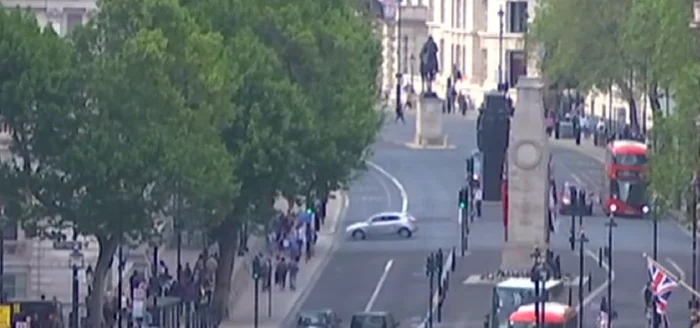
(528, 177)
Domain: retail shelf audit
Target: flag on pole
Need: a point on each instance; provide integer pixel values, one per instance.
(662, 286)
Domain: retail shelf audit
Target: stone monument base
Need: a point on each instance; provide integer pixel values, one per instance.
(517, 257)
(429, 132)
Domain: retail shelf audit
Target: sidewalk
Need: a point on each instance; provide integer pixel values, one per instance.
(238, 275)
(586, 147)
(283, 302)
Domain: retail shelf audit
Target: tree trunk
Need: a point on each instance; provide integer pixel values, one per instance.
(95, 304)
(227, 239)
(654, 100)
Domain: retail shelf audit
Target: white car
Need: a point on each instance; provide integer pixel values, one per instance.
(386, 223)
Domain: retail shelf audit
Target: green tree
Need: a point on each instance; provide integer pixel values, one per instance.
(587, 50)
(103, 152)
(307, 103)
(272, 122)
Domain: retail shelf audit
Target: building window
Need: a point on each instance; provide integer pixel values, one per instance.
(459, 13)
(442, 52)
(442, 11)
(464, 61)
(517, 16)
(431, 9)
(516, 66)
(464, 14)
(458, 56)
(73, 20)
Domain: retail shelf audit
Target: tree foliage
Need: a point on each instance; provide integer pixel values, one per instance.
(306, 97)
(641, 46)
(103, 129)
(218, 105)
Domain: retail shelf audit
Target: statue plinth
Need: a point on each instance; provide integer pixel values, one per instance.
(429, 121)
(528, 177)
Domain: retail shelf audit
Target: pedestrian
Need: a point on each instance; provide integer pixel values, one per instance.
(478, 197)
(309, 238)
(399, 115)
(293, 270)
(282, 268)
(264, 272)
(277, 271)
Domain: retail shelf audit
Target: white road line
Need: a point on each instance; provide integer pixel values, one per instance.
(681, 272)
(386, 190)
(600, 289)
(396, 182)
(379, 286)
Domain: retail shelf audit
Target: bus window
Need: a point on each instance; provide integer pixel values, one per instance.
(630, 192)
(630, 159)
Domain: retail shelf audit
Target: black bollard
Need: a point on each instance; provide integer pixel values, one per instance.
(570, 295)
(600, 257)
(454, 259)
(590, 282)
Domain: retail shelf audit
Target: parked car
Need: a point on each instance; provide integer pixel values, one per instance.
(373, 320)
(566, 206)
(384, 224)
(323, 318)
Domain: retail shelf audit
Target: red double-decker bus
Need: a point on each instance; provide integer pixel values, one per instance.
(625, 181)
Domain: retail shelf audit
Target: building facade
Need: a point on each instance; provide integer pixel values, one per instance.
(63, 15)
(467, 35)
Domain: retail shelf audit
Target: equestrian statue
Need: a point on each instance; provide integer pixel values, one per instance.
(428, 65)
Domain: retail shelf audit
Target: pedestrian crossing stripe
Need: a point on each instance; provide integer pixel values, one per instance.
(476, 279)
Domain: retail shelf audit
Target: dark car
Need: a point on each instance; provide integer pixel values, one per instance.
(567, 205)
(373, 320)
(318, 319)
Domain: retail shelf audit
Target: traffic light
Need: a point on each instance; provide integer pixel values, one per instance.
(470, 167)
(463, 198)
(430, 265)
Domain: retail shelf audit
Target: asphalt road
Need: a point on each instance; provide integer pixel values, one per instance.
(631, 238)
(389, 274)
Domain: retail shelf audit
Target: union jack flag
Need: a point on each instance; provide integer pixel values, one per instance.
(662, 286)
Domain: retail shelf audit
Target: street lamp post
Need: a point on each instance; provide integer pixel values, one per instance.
(610, 224)
(155, 241)
(500, 47)
(655, 227)
(412, 61)
(76, 263)
(582, 240)
(257, 275)
(398, 57)
(3, 220)
(431, 267)
(537, 278)
(120, 273)
(572, 227)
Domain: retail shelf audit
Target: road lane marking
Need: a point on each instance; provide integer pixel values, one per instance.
(396, 182)
(681, 272)
(600, 289)
(386, 191)
(379, 286)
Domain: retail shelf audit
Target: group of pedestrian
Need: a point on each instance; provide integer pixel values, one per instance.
(280, 270)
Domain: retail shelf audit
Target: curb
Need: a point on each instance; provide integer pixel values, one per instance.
(332, 247)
